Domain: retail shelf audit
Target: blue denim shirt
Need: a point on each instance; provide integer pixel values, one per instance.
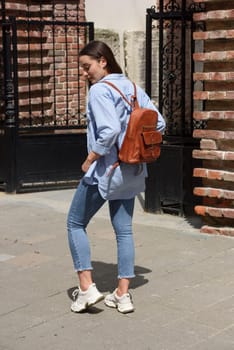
(107, 118)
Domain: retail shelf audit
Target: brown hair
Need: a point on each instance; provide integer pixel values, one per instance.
(98, 49)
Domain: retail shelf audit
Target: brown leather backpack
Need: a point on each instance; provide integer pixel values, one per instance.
(141, 142)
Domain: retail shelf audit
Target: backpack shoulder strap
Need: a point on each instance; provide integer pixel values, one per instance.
(133, 103)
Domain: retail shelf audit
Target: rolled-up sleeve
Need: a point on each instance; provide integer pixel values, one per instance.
(161, 122)
(102, 112)
(147, 103)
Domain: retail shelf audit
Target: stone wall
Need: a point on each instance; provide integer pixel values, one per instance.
(134, 54)
(214, 105)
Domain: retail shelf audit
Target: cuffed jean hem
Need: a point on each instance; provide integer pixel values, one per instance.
(84, 269)
(127, 277)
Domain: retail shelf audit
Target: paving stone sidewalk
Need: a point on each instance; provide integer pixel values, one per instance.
(183, 291)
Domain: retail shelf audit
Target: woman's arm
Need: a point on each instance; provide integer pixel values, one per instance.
(92, 156)
(103, 114)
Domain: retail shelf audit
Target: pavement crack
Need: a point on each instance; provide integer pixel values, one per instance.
(16, 309)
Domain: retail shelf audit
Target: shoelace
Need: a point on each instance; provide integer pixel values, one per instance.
(75, 293)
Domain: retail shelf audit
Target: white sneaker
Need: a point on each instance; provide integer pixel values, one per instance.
(85, 299)
(123, 304)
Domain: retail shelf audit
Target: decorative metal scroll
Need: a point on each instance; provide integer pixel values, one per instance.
(173, 25)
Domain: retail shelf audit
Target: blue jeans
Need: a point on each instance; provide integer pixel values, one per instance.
(86, 202)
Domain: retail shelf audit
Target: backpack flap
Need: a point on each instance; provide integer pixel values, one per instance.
(152, 138)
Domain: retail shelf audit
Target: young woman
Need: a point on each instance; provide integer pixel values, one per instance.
(107, 117)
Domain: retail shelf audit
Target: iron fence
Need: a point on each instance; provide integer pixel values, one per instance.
(169, 52)
(169, 41)
(42, 107)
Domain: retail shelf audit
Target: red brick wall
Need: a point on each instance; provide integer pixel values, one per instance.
(214, 104)
(37, 55)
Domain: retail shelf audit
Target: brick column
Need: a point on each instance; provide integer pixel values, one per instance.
(214, 105)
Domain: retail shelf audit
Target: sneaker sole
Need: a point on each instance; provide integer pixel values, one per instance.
(87, 305)
(115, 306)
(125, 311)
(110, 304)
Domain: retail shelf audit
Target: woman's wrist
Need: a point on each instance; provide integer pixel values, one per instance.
(89, 160)
(92, 156)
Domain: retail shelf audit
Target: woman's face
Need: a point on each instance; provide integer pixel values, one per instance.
(93, 69)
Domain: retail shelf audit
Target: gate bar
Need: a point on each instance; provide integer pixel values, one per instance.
(10, 117)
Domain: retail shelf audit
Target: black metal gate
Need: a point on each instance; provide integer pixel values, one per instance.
(169, 81)
(42, 101)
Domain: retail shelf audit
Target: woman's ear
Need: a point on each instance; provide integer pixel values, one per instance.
(103, 62)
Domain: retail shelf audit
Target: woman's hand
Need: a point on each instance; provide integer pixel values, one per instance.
(92, 156)
(85, 166)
